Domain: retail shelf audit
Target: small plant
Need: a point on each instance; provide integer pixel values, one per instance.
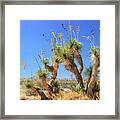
(29, 84)
(56, 85)
(76, 87)
(97, 86)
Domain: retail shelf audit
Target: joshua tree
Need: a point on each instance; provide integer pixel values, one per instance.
(76, 46)
(52, 69)
(95, 55)
(70, 51)
(67, 53)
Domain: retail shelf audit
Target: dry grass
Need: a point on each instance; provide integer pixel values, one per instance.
(71, 95)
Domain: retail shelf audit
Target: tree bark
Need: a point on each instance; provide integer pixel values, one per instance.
(79, 59)
(53, 69)
(92, 82)
(71, 66)
(88, 81)
(41, 93)
(49, 68)
(45, 85)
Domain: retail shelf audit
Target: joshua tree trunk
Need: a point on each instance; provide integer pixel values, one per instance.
(79, 59)
(92, 82)
(88, 81)
(41, 93)
(54, 73)
(53, 69)
(71, 66)
(45, 85)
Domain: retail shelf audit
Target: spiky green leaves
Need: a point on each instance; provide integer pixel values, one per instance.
(66, 51)
(97, 86)
(74, 44)
(42, 73)
(94, 51)
(28, 84)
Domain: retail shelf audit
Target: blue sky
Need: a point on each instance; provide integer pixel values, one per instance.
(32, 41)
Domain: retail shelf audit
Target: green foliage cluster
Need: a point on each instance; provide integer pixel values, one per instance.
(74, 44)
(45, 61)
(76, 87)
(97, 86)
(95, 51)
(67, 50)
(42, 73)
(56, 85)
(28, 84)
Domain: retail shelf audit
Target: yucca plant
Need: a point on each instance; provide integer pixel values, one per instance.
(77, 88)
(74, 46)
(65, 55)
(56, 85)
(28, 84)
(69, 52)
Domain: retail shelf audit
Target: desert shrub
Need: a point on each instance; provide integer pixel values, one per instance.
(97, 86)
(56, 85)
(76, 87)
(26, 84)
(29, 84)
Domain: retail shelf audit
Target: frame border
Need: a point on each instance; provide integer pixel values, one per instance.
(53, 2)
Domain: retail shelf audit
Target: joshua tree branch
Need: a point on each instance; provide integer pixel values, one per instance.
(79, 59)
(53, 69)
(92, 82)
(49, 68)
(71, 66)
